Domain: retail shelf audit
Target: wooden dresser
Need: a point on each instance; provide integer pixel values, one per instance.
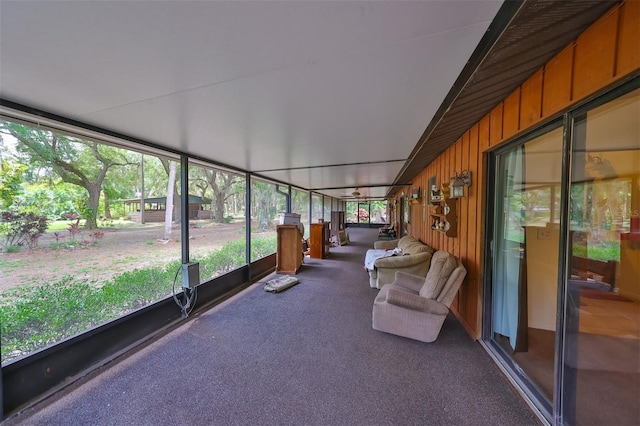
(319, 240)
(289, 250)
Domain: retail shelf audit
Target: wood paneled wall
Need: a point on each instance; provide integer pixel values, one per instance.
(607, 51)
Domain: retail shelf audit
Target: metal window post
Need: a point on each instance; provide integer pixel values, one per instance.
(184, 206)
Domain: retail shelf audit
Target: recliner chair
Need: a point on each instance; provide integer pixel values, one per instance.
(416, 307)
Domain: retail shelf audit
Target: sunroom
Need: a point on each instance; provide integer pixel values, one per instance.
(362, 111)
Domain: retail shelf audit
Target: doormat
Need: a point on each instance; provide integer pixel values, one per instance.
(281, 283)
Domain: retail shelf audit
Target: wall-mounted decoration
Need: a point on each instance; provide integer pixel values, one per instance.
(458, 183)
(436, 194)
(430, 188)
(415, 193)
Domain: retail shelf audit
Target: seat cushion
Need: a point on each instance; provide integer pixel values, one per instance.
(442, 265)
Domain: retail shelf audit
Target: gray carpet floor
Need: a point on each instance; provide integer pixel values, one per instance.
(305, 356)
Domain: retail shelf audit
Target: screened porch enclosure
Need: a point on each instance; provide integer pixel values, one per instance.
(345, 110)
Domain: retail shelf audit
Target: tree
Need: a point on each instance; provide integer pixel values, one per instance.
(124, 183)
(77, 161)
(378, 211)
(300, 203)
(10, 182)
(266, 202)
(223, 186)
(172, 188)
(169, 206)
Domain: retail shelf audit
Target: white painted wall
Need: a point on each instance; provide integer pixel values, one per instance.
(541, 252)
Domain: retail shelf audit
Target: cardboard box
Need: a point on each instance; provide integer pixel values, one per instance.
(289, 219)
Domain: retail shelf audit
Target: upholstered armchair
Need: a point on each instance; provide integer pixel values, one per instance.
(416, 307)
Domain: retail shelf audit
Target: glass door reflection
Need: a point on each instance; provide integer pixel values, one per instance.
(525, 261)
(602, 350)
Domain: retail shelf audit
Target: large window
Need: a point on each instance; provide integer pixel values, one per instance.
(317, 210)
(327, 208)
(300, 205)
(351, 213)
(89, 232)
(216, 220)
(268, 202)
(364, 215)
(378, 212)
(366, 212)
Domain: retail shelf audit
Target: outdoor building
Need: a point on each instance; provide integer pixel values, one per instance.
(156, 207)
(504, 133)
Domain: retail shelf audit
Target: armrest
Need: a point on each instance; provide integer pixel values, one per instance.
(402, 261)
(409, 281)
(385, 245)
(415, 302)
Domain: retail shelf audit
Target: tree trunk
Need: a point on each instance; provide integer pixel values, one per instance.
(218, 212)
(177, 204)
(92, 206)
(219, 194)
(168, 215)
(107, 207)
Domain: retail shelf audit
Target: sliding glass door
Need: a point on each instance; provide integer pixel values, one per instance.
(602, 350)
(562, 304)
(525, 257)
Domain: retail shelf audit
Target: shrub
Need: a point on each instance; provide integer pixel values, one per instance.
(22, 228)
(95, 236)
(261, 247)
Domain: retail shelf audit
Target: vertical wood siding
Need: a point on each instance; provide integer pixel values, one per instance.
(556, 88)
(607, 51)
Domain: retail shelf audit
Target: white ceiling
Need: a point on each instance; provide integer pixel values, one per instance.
(324, 94)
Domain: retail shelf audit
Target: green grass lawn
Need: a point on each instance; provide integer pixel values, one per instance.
(603, 251)
(63, 225)
(35, 316)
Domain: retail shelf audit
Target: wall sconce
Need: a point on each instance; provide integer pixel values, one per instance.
(458, 182)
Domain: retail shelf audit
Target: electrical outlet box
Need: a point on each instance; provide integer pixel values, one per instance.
(190, 275)
(544, 233)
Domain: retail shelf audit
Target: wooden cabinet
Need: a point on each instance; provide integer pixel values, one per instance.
(289, 250)
(443, 214)
(319, 240)
(337, 222)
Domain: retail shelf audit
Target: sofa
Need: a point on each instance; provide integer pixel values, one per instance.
(405, 254)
